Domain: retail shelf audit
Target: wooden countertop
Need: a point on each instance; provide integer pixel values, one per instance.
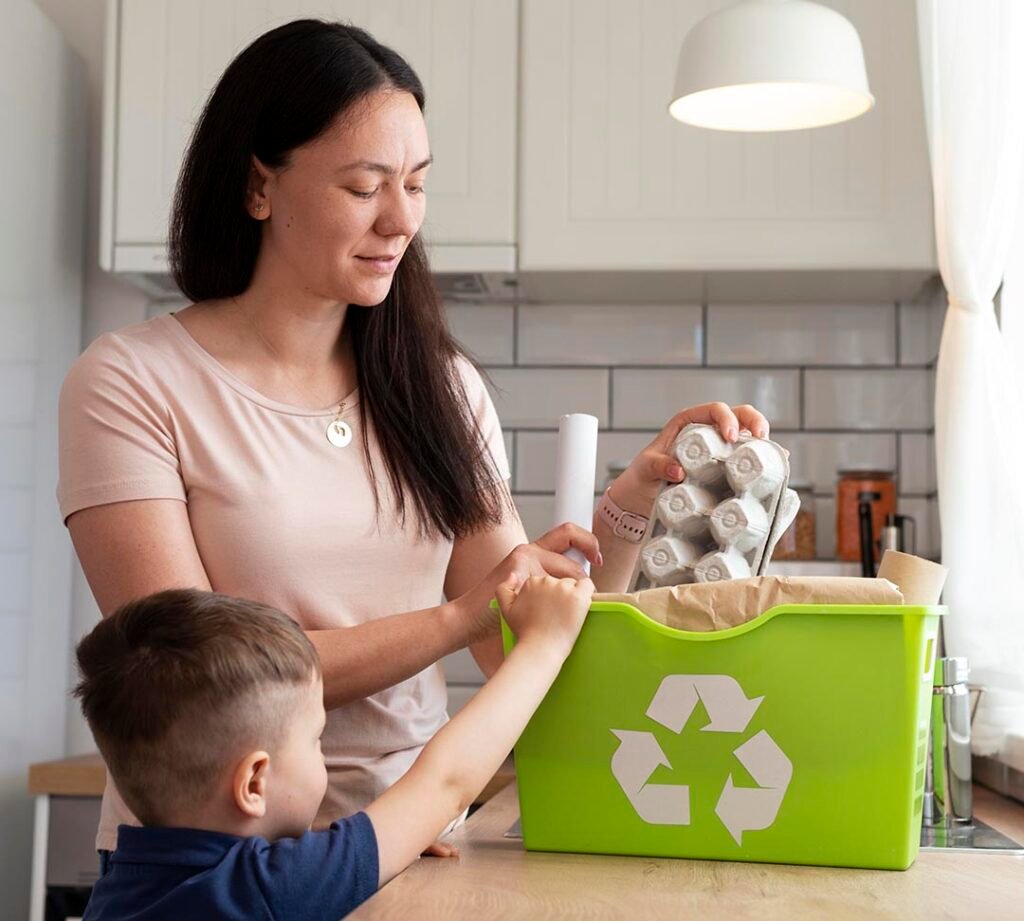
(494, 877)
(84, 775)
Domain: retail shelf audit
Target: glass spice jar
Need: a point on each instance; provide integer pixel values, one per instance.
(800, 540)
(878, 488)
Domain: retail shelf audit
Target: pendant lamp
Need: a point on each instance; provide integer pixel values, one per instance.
(771, 65)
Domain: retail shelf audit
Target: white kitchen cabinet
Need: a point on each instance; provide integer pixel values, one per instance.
(165, 56)
(610, 181)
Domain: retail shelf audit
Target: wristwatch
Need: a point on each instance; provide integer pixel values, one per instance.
(628, 525)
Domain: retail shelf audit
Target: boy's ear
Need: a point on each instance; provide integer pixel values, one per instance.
(249, 784)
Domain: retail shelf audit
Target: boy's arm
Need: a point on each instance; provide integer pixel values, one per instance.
(467, 752)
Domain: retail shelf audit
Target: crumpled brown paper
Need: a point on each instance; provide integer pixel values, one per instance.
(707, 606)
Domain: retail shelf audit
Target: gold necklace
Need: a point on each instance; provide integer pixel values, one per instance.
(339, 432)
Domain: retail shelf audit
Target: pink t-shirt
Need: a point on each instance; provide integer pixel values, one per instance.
(279, 515)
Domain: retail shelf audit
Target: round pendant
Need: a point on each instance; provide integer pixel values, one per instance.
(339, 433)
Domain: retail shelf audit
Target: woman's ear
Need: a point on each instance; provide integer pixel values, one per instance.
(257, 200)
(249, 784)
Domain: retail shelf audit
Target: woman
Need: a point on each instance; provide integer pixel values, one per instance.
(307, 433)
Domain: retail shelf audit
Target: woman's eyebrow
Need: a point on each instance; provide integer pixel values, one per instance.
(383, 167)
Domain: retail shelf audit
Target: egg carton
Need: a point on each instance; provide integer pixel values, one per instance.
(724, 519)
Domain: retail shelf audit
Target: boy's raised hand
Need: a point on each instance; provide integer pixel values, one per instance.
(545, 609)
(546, 615)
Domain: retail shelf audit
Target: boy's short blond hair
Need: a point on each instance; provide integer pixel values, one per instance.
(177, 685)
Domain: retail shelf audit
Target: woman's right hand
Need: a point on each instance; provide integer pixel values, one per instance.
(543, 556)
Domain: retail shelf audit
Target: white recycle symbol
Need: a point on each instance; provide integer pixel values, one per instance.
(739, 808)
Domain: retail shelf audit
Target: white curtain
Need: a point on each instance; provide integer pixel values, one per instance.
(1011, 297)
(972, 66)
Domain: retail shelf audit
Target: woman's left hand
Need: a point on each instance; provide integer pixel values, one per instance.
(637, 486)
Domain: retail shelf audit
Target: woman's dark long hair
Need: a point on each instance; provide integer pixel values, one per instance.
(281, 92)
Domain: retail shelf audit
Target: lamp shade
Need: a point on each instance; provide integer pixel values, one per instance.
(771, 65)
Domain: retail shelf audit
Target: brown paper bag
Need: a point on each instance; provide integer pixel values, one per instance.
(919, 580)
(707, 606)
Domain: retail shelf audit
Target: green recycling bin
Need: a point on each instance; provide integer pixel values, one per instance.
(798, 737)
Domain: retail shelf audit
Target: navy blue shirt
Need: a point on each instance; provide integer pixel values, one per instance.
(177, 873)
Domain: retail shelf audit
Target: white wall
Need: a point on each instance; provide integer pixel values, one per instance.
(41, 225)
(108, 302)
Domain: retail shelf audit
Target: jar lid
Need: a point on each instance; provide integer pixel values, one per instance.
(867, 474)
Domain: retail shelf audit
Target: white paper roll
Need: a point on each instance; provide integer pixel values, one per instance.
(574, 476)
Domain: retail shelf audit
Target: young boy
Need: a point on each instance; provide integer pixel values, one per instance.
(208, 711)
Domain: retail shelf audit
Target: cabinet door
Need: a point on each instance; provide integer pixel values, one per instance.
(171, 53)
(610, 181)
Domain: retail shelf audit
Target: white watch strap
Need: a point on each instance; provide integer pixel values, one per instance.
(627, 525)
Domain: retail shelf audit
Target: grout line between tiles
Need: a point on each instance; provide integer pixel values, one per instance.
(653, 429)
(596, 366)
(704, 330)
(513, 461)
(898, 313)
(611, 398)
(802, 398)
(515, 333)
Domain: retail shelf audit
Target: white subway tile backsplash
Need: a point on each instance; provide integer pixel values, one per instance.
(535, 461)
(510, 450)
(15, 518)
(619, 449)
(830, 568)
(610, 334)
(485, 330)
(816, 458)
(18, 384)
(920, 332)
(537, 514)
(801, 334)
(868, 399)
(536, 454)
(648, 399)
(771, 355)
(925, 513)
(914, 334)
(539, 397)
(825, 527)
(16, 455)
(917, 463)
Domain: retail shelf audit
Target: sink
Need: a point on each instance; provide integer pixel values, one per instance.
(975, 837)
